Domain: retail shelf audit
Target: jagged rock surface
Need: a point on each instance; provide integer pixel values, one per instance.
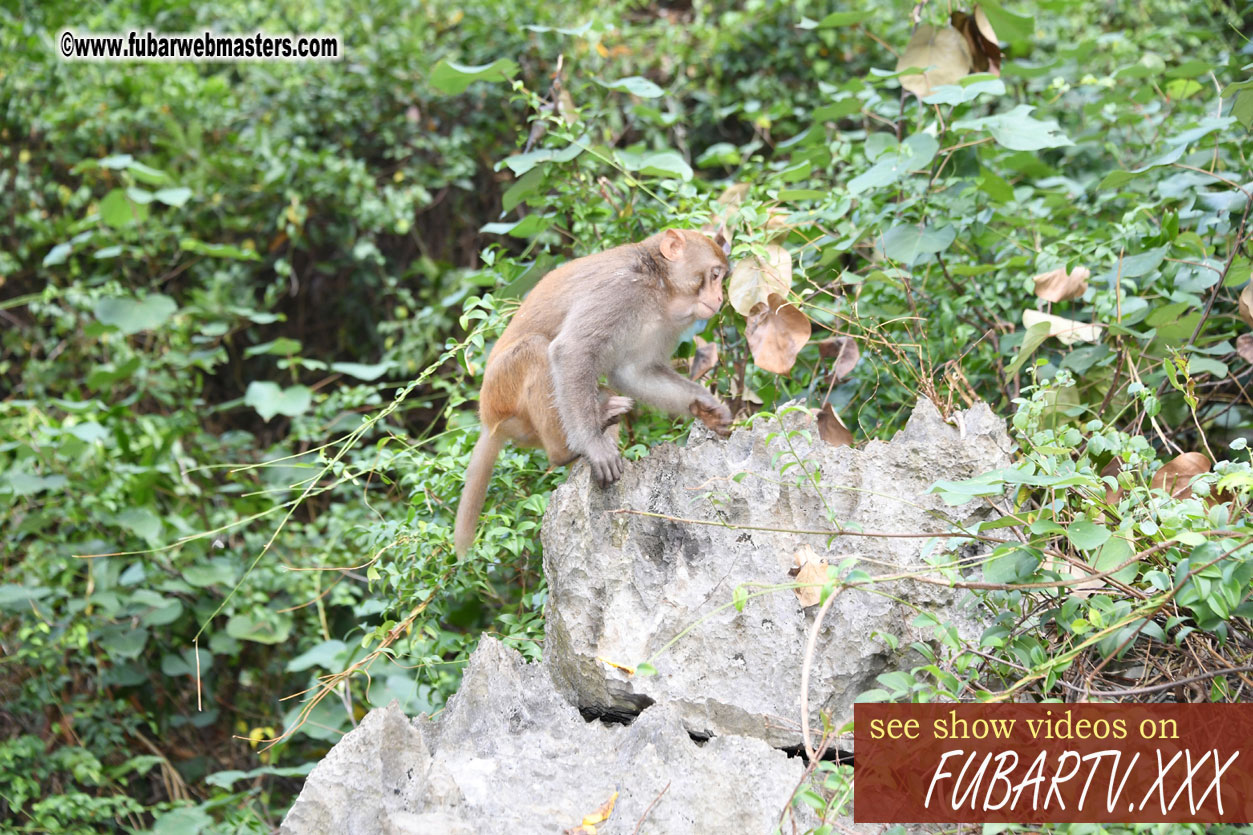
(624, 585)
(510, 755)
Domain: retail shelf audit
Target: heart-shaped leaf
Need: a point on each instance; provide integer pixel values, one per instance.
(776, 332)
(269, 399)
(135, 315)
(755, 278)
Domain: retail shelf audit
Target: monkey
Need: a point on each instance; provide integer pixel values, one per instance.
(617, 313)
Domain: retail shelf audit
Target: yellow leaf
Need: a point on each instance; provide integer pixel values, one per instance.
(602, 813)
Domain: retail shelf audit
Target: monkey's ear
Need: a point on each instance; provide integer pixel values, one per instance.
(672, 244)
(723, 239)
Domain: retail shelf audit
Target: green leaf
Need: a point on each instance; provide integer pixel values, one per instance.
(1086, 535)
(527, 185)
(281, 347)
(906, 242)
(226, 779)
(218, 250)
(657, 164)
(519, 164)
(188, 820)
(119, 211)
(57, 255)
(1031, 341)
(1018, 130)
(788, 195)
(1191, 538)
(740, 598)
(1143, 263)
(453, 78)
(163, 615)
(25, 484)
(134, 315)
(994, 186)
(19, 597)
(262, 626)
(1010, 26)
(362, 371)
(645, 670)
(1115, 552)
(142, 522)
(956, 493)
(324, 654)
(915, 153)
(218, 571)
(144, 174)
(838, 109)
(1017, 566)
(173, 196)
(635, 85)
(124, 642)
(527, 227)
(269, 399)
(843, 19)
(966, 91)
(1242, 108)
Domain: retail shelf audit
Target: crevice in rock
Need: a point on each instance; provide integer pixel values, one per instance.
(836, 755)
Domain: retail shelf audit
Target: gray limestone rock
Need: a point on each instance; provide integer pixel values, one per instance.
(623, 586)
(510, 755)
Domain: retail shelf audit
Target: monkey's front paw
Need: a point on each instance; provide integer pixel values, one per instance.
(613, 410)
(607, 465)
(713, 413)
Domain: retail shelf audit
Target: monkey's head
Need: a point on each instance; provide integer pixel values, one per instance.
(697, 265)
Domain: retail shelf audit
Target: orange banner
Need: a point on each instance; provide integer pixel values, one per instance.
(1038, 763)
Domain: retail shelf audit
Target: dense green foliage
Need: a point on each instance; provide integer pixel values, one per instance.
(242, 307)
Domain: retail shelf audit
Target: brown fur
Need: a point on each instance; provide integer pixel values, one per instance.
(617, 313)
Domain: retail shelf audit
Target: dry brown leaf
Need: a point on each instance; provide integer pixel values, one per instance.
(704, 359)
(1059, 286)
(1175, 476)
(1246, 304)
(943, 53)
(831, 429)
(845, 352)
(566, 108)
(985, 52)
(776, 332)
(1244, 346)
(985, 29)
(754, 279)
(1067, 331)
(734, 195)
(810, 572)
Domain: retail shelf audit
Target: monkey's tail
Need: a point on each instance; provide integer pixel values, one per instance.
(478, 474)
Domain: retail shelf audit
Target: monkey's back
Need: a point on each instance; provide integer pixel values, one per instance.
(521, 352)
(545, 308)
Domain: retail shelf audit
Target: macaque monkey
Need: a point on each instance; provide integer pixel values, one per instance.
(619, 314)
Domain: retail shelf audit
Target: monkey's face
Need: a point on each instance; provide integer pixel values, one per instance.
(709, 294)
(697, 268)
